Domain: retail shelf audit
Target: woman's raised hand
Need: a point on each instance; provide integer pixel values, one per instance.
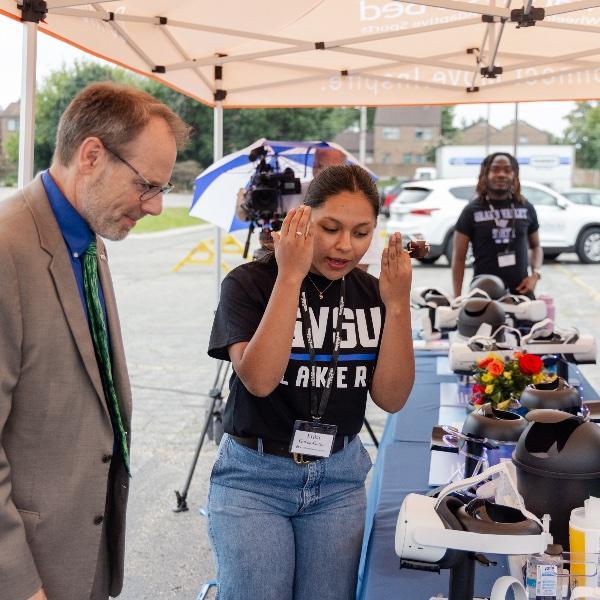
(294, 244)
(396, 274)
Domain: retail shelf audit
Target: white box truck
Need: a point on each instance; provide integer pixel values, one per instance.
(551, 165)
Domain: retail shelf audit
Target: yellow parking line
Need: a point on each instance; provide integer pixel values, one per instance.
(580, 282)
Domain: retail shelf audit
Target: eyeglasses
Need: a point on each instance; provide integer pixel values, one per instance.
(150, 189)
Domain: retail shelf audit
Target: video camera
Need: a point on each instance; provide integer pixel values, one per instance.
(262, 200)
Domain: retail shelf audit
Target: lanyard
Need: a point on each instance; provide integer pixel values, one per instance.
(317, 408)
(497, 221)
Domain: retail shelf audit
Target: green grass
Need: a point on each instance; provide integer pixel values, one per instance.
(170, 218)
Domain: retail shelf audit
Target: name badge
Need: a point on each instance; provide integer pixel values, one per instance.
(507, 259)
(313, 439)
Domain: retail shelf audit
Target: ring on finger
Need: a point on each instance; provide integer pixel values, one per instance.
(299, 233)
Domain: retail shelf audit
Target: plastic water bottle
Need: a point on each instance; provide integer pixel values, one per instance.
(543, 571)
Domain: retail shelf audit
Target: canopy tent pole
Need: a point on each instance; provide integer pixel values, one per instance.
(27, 111)
(362, 141)
(516, 130)
(218, 155)
(487, 131)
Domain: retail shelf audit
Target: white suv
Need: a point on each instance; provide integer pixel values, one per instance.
(429, 210)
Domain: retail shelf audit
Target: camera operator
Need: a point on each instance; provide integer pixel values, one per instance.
(323, 158)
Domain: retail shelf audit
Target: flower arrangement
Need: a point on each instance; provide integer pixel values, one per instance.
(501, 381)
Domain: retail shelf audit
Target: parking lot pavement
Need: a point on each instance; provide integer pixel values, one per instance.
(166, 319)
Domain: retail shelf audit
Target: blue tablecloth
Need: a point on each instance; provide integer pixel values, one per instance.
(402, 467)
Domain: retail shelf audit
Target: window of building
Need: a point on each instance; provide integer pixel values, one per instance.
(420, 159)
(407, 158)
(391, 133)
(386, 159)
(12, 125)
(523, 139)
(423, 133)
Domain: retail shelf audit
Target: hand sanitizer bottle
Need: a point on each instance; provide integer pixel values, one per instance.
(543, 571)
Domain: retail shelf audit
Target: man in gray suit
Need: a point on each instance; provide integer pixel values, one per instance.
(65, 401)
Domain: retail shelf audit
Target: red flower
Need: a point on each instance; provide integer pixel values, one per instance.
(530, 364)
(478, 388)
(484, 362)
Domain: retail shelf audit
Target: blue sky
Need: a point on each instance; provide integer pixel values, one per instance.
(52, 54)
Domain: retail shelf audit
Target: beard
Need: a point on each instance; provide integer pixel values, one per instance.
(99, 215)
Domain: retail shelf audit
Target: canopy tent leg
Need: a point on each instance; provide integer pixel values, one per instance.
(218, 155)
(516, 131)
(27, 114)
(362, 145)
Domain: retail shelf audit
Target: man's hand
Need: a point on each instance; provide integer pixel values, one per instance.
(40, 595)
(528, 284)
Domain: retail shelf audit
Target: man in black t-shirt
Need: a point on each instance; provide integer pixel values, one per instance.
(502, 227)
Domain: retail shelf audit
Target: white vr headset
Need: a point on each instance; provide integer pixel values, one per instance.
(440, 314)
(428, 527)
(544, 338)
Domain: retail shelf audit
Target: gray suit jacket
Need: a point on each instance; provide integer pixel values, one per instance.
(55, 429)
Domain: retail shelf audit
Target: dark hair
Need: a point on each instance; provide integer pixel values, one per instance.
(342, 178)
(485, 169)
(114, 113)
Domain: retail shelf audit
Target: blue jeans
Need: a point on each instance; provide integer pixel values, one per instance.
(283, 531)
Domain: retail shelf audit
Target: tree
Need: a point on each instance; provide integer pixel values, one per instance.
(584, 131)
(11, 147)
(448, 133)
(55, 93)
(241, 127)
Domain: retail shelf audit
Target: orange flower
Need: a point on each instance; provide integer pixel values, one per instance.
(484, 362)
(495, 368)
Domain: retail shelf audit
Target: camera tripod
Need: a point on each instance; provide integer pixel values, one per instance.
(213, 427)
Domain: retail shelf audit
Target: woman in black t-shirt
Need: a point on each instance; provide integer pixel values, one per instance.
(287, 500)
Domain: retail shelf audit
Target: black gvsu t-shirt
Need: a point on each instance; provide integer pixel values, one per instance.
(490, 232)
(245, 293)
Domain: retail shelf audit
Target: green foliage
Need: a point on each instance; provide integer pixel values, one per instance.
(584, 131)
(198, 116)
(55, 93)
(241, 127)
(448, 130)
(11, 147)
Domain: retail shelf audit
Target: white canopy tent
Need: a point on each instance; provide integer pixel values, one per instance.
(236, 53)
(343, 52)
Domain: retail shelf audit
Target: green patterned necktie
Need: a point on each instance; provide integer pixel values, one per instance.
(100, 339)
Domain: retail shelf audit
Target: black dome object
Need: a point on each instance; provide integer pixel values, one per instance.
(492, 285)
(476, 311)
(557, 395)
(494, 424)
(498, 427)
(558, 466)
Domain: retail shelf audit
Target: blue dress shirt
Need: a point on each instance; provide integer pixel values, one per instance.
(76, 233)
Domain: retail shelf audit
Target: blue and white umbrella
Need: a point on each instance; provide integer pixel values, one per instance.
(216, 188)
